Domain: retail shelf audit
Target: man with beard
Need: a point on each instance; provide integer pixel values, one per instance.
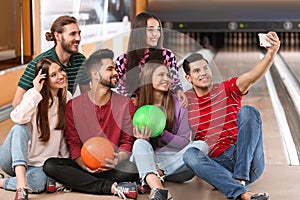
(98, 112)
(233, 134)
(66, 36)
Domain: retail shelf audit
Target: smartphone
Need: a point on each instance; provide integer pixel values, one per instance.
(263, 40)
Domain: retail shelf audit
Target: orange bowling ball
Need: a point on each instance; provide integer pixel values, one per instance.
(95, 150)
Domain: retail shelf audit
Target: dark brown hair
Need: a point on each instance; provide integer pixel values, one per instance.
(146, 92)
(95, 60)
(136, 48)
(58, 26)
(42, 120)
(191, 58)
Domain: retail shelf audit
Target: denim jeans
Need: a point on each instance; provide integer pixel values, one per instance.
(171, 163)
(13, 152)
(244, 160)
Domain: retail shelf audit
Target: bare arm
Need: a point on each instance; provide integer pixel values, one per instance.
(246, 80)
(18, 96)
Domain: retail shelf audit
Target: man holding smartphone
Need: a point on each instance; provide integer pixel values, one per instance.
(233, 134)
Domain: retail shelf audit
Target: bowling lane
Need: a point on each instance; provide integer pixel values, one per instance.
(292, 58)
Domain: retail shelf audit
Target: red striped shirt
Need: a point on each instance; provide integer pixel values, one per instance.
(213, 117)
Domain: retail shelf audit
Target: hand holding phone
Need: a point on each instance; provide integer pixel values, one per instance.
(263, 40)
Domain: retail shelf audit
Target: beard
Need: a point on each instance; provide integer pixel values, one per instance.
(106, 83)
(68, 47)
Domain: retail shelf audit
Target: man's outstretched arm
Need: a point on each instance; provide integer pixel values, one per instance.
(246, 80)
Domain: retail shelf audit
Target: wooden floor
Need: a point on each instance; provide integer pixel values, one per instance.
(279, 179)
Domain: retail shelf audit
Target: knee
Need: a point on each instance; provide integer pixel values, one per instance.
(191, 156)
(22, 131)
(141, 146)
(249, 112)
(249, 118)
(201, 145)
(49, 166)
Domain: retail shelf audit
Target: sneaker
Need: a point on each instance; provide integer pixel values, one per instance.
(160, 194)
(53, 186)
(22, 193)
(126, 189)
(260, 196)
(142, 188)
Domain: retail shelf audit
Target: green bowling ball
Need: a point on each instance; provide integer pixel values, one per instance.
(152, 117)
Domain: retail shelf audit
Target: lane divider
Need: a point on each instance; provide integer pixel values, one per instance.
(287, 139)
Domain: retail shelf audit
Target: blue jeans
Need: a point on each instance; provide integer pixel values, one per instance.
(13, 152)
(171, 163)
(244, 160)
